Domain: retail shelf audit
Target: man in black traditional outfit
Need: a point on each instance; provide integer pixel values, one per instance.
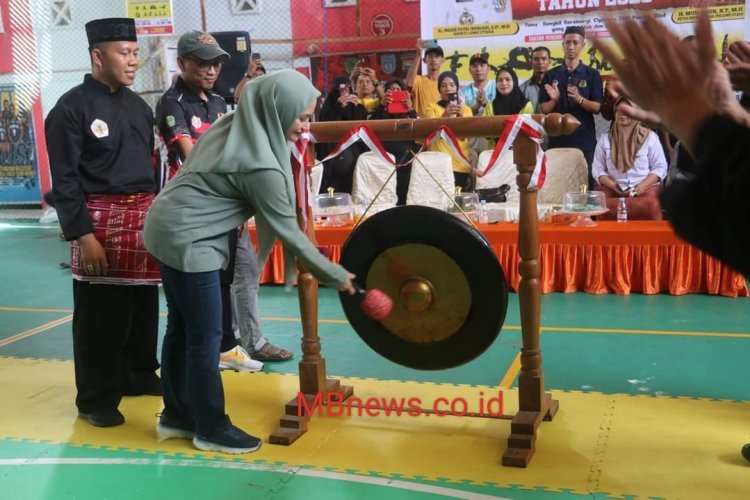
(100, 142)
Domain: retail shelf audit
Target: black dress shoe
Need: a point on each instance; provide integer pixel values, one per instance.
(103, 418)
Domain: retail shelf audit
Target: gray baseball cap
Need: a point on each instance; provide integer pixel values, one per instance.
(201, 45)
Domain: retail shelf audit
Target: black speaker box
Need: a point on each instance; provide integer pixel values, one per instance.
(237, 44)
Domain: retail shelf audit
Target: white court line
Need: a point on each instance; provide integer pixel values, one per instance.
(336, 476)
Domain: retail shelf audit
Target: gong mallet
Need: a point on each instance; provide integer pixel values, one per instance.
(376, 304)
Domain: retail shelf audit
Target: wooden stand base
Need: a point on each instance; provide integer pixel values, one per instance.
(522, 439)
(294, 422)
(535, 405)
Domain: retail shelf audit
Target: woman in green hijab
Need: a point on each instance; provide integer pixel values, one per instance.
(240, 168)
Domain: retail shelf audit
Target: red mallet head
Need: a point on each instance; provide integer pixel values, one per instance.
(376, 304)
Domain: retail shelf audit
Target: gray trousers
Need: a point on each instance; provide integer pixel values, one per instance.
(245, 316)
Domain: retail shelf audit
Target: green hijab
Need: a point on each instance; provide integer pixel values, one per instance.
(254, 138)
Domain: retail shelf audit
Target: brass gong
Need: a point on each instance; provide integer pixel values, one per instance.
(448, 289)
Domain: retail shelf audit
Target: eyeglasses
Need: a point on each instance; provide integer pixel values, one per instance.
(215, 64)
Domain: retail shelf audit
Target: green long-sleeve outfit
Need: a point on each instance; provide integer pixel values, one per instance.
(238, 169)
(187, 225)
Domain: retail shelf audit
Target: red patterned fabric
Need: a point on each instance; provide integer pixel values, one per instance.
(645, 206)
(118, 225)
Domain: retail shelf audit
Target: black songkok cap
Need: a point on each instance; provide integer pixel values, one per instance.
(111, 29)
(575, 30)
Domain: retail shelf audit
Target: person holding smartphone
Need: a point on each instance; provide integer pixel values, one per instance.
(451, 105)
(397, 104)
(424, 89)
(254, 70)
(341, 104)
(367, 85)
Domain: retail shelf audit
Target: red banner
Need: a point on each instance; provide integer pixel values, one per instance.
(523, 9)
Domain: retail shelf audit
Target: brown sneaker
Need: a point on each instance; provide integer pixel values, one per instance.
(270, 352)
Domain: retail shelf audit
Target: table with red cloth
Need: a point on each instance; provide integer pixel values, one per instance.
(637, 256)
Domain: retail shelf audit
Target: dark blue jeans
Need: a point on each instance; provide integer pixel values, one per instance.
(192, 386)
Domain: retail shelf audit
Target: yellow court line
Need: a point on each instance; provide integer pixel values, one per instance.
(650, 332)
(34, 331)
(505, 327)
(564, 329)
(512, 372)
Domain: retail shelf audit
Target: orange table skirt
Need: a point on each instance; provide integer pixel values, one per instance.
(639, 256)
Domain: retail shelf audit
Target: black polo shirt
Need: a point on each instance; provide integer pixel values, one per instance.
(98, 142)
(589, 83)
(182, 113)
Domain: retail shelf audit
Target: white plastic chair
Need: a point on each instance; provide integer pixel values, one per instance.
(504, 173)
(316, 179)
(370, 174)
(566, 172)
(422, 188)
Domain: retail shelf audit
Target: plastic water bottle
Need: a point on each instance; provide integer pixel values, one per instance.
(484, 217)
(622, 211)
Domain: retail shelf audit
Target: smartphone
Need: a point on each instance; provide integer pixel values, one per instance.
(255, 56)
(397, 106)
(431, 44)
(343, 90)
(453, 98)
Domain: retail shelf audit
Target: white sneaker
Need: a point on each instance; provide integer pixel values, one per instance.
(239, 360)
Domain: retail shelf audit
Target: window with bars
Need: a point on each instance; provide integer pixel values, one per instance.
(60, 13)
(245, 6)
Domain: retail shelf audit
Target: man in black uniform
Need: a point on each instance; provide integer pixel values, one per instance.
(574, 88)
(183, 114)
(189, 107)
(100, 142)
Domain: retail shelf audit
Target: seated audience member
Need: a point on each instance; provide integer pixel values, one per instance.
(402, 151)
(450, 105)
(607, 110)
(340, 105)
(629, 162)
(509, 100)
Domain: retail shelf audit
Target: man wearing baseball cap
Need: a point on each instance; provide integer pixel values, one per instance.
(424, 89)
(482, 91)
(190, 106)
(183, 114)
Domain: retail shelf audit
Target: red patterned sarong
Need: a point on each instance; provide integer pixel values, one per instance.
(118, 225)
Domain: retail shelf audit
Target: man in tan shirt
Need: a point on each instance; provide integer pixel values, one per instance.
(424, 89)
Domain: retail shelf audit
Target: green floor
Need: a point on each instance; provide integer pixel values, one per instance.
(694, 346)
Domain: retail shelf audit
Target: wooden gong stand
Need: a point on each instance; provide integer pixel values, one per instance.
(534, 405)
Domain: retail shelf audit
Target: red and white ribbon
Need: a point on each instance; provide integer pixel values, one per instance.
(513, 125)
(532, 130)
(364, 134)
(450, 138)
(301, 173)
